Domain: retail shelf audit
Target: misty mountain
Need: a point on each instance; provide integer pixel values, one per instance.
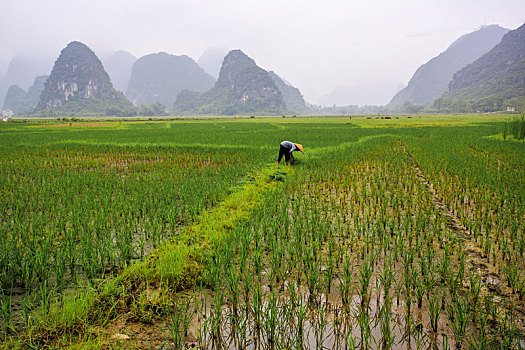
(22, 70)
(242, 87)
(211, 60)
(160, 77)
(20, 101)
(292, 97)
(15, 98)
(78, 84)
(119, 67)
(431, 79)
(500, 73)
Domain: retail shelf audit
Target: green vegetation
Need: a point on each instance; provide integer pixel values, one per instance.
(242, 88)
(156, 108)
(485, 104)
(159, 77)
(459, 105)
(79, 85)
(23, 103)
(401, 232)
(489, 79)
(292, 97)
(432, 78)
(94, 108)
(515, 128)
(15, 99)
(219, 102)
(497, 74)
(82, 107)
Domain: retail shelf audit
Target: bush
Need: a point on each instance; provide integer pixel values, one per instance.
(156, 108)
(516, 127)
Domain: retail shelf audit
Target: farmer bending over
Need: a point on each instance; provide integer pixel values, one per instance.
(287, 148)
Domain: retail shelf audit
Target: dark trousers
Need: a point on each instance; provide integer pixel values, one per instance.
(283, 151)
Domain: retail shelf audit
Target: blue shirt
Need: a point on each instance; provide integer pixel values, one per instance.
(290, 145)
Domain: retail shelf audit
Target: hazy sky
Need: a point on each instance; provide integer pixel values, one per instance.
(318, 45)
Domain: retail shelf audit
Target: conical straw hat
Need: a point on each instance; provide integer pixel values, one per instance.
(299, 147)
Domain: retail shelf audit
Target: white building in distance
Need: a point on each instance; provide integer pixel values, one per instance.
(6, 113)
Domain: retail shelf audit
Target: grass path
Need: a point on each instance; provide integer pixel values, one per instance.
(181, 260)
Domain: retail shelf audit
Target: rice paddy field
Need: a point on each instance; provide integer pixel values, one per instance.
(402, 233)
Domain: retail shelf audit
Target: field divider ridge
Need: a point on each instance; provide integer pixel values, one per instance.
(490, 274)
(176, 265)
(180, 260)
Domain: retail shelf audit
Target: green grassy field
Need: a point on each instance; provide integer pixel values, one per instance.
(386, 233)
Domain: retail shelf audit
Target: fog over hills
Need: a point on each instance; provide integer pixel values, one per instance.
(318, 45)
(78, 83)
(432, 78)
(292, 97)
(159, 77)
(118, 67)
(20, 101)
(22, 71)
(355, 95)
(342, 52)
(211, 60)
(500, 73)
(242, 88)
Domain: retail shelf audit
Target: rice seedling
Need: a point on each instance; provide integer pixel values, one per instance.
(270, 317)
(386, 277)
(346, 282)
(388, 217)
(481, 339)
(365, 275)
(475, 290)
(420, 289)
(6, 309)
(516, 128)
(510, 336)
(180, 317)
(321, 324)
(364, 321)
(387, 333)
(513, 274)
(459, 316)
(434, 310)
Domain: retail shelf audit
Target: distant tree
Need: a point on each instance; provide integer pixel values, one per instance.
(145, 110)
(412, 108)
(158, 108)
(114, 110)
(450, 105)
